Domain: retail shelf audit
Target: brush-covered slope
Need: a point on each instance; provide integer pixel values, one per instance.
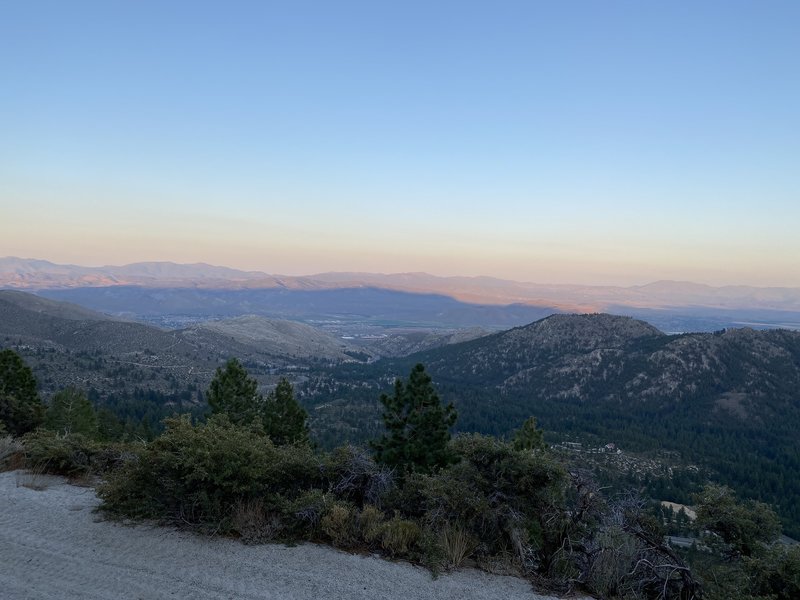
(284, 338)
(13, 302)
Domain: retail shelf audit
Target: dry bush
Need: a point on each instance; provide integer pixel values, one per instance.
(623, 557)
(458, 545)
(253, 523)
(11, 456)
(371, 523)
(354, 476)
(502, 562)
(399, 535)
(68, 455)
(304, 513)
(610, 567)
(339, 524)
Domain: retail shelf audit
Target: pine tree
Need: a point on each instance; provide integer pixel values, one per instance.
(417, 426)
(739, 528)
(529, 437)
(21, 410)
(235, 393)
(285, 421)
(71, 412)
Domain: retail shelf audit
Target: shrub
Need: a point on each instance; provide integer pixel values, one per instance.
(196, 474)
(623, 556)
(10, 453)
(289, 470)
(739, 528)
(254, 522)
(610, 573)
(370, 523)
(69, 455)
(494, 494)
(109, 457)
(354, 475)
(340, 525)
(399, 535)
(304, 513)
(457, 545)
(777, 572)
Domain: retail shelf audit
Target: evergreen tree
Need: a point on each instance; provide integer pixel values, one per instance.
(745, 561)
(529, 437)
(742, 528)
(109, 426)
(71, 412)
(21, 410)
(285, 421)
(235, 393)
(417, 426)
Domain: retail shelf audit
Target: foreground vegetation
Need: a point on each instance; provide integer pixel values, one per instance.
(249, 470)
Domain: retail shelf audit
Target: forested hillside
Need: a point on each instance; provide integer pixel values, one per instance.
(728, 400)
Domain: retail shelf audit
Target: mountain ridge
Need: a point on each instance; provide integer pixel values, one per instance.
(38, 274)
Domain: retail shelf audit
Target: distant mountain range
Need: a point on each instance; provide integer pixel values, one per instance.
(158, 290)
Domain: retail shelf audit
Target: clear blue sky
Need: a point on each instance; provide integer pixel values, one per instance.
(589, 142)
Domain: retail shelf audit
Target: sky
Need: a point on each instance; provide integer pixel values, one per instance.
(593, 142)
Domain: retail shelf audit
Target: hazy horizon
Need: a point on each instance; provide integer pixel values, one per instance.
(311, 275)
(591, 143)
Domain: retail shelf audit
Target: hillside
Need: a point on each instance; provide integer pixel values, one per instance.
(729, 400)
(69, 345)
(283, 338)
(405, 343)
(11, 300)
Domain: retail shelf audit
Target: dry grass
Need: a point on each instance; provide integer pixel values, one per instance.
(35, 478)
(253, 523)
(399, 535)
(339, 524)
(11, 454)
(457, 544)
(371, 523)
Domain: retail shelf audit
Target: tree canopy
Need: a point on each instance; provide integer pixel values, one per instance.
(284, 420)
(743, 528)
(529, 437)
(234, 393)
(71, 412)
(417, 426)
(21, 410)
(745, 562)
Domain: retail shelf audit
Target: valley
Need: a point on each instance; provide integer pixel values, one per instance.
(364, 304)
